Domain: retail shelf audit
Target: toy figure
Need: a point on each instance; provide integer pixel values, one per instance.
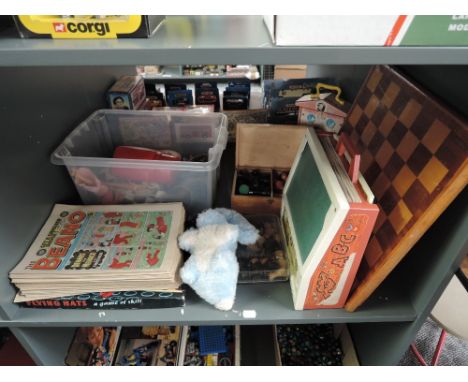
(212, 269)
(170, 353)
(150, 331)
(140, 356)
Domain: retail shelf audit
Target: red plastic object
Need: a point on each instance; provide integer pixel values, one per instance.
(345, 144)
(132, 152)
(144, 175)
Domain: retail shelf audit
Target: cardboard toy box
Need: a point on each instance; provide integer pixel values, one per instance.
(149, 346)
(324, 110)
(269, 149)
(191, 353)
(290, 71)
(369, 30)
(340, 334)
(128, 93)
(90, 27)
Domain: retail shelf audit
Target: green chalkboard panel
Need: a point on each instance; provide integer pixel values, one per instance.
(308, 201)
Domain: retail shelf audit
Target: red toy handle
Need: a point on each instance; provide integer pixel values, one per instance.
(145, 174)
(345, 144)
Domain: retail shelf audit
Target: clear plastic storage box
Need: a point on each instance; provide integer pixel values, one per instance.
(101, 179)
(266, 260)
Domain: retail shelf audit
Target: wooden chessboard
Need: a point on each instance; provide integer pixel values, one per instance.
(413, 156)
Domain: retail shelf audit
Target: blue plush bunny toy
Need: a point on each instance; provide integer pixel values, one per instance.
(212, 268)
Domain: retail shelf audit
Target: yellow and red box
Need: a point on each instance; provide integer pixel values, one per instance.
(88, 27)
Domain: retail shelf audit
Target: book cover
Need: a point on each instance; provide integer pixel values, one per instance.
(414, 158)
(113, 300)
(326, 223)
(84, 249)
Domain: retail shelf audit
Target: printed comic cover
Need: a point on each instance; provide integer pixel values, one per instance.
(149, 346)
(93, 346)
(109, 246)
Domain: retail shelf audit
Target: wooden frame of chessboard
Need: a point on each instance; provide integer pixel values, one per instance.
(414, 157)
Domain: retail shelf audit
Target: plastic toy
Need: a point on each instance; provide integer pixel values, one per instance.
(253, 182)
(212, 268)
(140, 356)
(212, 340)
(131, 152)
(323, 109)
(170, 353)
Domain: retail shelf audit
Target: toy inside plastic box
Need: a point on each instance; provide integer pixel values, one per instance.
(101, 179)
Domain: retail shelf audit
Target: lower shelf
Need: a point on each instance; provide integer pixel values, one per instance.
(257, 345)
(256, 304)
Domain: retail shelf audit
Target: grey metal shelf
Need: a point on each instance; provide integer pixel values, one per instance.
(257, 345)
(268, 303)
(70, 77)
(256, 304)
(210, 40)
(46, 346)
(173, 74)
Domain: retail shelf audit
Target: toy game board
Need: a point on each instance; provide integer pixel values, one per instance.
(414, 158)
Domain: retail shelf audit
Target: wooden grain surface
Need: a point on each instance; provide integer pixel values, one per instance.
(414, 157)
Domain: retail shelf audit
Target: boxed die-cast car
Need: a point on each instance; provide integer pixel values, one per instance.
(90, 27)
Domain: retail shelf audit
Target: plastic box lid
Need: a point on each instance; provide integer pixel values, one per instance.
(101, 128)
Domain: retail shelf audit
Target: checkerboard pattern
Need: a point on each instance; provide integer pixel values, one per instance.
(411, 149)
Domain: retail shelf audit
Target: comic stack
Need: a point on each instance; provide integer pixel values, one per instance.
(92, 249)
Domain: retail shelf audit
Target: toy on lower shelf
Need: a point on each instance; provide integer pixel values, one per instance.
(307, 345)
(93, 346)
(149, 346)
(191, 353)
(212, 340)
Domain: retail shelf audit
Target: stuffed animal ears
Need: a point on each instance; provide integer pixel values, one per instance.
(210, 217)
(188, 239)
(248, 234)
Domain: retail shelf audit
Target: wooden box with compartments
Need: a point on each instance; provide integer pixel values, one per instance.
(264, 155)
(314, 345)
